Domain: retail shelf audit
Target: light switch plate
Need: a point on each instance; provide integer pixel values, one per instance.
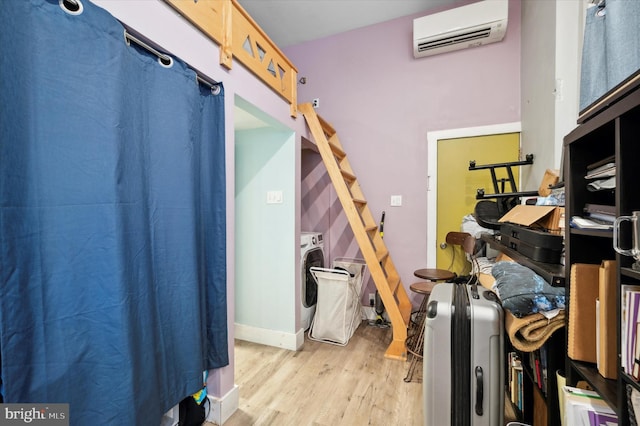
(274, 197)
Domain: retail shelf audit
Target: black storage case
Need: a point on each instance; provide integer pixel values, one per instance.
(535, 244)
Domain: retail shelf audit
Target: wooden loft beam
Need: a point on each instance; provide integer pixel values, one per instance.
(239, 36)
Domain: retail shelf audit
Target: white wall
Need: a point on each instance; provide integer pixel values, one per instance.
(537, 86)
(551, 45)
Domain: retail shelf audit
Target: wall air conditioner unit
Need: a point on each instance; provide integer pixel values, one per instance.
(472, 25)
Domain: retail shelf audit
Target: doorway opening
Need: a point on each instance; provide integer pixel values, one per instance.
(432, 173)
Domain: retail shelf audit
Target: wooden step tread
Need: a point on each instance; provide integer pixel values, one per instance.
(371, 228)
(348, 176)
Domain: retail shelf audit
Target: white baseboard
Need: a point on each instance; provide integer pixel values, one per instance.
(263, 336)
(223, 408)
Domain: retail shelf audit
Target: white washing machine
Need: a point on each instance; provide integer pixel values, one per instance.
(312, 252)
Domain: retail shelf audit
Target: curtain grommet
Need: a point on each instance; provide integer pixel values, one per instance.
(166, 61)
(72, 7)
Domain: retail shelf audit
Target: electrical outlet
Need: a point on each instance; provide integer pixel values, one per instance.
(316, 103)
(372, 299)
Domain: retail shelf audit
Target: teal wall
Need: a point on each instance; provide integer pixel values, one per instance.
(265, 248)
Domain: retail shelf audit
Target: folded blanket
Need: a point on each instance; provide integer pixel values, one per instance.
(530, 332)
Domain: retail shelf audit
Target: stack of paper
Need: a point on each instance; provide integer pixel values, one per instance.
(606, 170)
(586, 408)
(585, 223)
(600, 212)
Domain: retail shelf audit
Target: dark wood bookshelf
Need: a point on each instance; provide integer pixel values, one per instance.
(610, 130)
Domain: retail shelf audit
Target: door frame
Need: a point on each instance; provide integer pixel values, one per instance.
(432, 171)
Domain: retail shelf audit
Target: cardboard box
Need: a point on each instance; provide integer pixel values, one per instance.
(550, 218)
(550, 178)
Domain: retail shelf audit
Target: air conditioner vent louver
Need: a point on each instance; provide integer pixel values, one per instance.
(475, 24)
(459, 38)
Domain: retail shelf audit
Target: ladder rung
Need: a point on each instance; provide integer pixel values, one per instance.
(382, 255)
(393, 286)
(326, 127)
(348, 176)
(371, 229)
(337, 151)
(360, 203)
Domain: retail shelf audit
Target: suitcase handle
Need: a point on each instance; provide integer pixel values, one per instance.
(479, 390)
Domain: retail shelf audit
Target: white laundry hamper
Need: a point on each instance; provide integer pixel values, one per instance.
(338, 309)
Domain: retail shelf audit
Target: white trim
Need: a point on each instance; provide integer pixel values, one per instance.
(432, 171)
(223, 408)
(263, 336)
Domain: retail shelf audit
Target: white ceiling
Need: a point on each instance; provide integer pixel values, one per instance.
(289, 22)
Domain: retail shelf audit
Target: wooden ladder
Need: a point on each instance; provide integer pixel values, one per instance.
(365, 230)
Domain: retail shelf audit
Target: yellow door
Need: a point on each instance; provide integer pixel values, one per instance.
(457, 185)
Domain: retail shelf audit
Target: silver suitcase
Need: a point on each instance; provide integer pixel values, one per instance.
(463, 364)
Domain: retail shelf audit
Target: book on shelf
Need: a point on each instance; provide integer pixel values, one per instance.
(630, 304)
(600, 208)
(607, 354)
(601, 162)
(515, 380)
(581, 335)
(598, 334)
(597, 418)
(625, 289)
(635, 369)
(543, 362)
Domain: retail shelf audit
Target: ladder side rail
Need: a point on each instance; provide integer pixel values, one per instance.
(396, 302)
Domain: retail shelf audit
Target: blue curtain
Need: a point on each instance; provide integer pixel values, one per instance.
(112, 219)
(611, 48)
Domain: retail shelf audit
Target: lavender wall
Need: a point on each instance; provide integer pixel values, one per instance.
(383, 102)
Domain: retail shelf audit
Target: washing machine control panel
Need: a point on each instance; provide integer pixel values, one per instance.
(311, 239)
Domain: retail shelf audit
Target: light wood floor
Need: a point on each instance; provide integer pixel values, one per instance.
(325, 384)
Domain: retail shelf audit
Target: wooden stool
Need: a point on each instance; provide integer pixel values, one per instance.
(415, 340)
(434, 274)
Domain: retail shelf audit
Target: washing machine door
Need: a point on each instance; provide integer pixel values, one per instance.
(313, 258)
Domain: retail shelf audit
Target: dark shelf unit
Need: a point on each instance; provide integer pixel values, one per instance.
(613, 131)
(554, 274)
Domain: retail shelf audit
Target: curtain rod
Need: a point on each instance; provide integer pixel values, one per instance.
(75, 7)
(167, 60)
